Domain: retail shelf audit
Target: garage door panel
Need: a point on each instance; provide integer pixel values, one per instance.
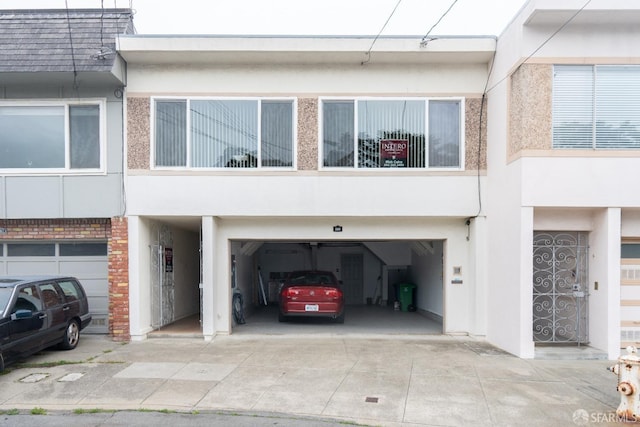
(84, 268)
(32, 267)
(95, 287)
(91, 270)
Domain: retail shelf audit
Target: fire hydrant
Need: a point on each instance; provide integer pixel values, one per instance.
(628, 371)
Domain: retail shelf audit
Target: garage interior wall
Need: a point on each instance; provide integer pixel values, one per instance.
(427, 272)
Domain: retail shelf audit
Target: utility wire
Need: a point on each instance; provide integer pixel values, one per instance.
(73, 58)
(426, 39)
(380, 32)
(542, 44)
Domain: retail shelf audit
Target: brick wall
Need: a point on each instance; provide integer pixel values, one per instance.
(55, 229)
(119, 280)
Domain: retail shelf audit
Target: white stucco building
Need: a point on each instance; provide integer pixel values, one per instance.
(252, 156)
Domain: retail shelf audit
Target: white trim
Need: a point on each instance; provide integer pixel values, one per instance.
(258, 99)
(356, 99)
(65, 103)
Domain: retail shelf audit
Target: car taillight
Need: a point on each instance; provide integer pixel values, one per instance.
(334, 293)
(288, 293)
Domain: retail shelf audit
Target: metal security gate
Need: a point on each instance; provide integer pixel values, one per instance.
(560, 287)
(162, 284)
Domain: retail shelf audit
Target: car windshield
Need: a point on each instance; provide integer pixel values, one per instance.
(311, 279)
(5, 296)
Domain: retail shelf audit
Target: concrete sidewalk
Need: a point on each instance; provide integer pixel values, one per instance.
(390, 381)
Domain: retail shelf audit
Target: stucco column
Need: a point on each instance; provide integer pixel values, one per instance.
(477, 233)
(139, 279)
(527, 346)
(222, 284)
(209, 234)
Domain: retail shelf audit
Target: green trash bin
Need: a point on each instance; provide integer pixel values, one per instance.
(405, 295)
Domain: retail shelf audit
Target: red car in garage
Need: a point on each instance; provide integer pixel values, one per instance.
(311, 293)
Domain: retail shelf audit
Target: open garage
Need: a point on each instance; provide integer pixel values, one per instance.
(190, 270)
(392, 286)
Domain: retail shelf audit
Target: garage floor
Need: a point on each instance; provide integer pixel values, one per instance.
(358, 320)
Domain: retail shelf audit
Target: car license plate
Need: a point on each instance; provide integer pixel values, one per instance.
(311, 307)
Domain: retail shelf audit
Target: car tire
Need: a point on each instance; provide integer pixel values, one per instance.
(1, 363)
(281, 317)
(340, 319)
(71, 336)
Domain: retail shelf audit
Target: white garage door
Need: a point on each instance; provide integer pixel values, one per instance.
(86, 261)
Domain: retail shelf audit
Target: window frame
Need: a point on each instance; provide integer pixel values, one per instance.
(426, 100)
(258, 100)
(66, 104)
(596, 100)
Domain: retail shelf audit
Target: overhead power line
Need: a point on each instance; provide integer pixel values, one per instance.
(380, 32)
(426, 39)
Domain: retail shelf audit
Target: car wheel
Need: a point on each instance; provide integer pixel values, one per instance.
(71, 336)
(1, 362)
(340, 319)
(281, 317)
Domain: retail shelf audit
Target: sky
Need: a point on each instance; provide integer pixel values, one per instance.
(303, 17)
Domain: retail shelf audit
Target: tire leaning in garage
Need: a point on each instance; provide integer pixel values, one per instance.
(71, 336)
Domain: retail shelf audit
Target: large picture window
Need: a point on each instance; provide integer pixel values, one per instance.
(224, 133)
(596, 107)
(404, 133)
(52, 136)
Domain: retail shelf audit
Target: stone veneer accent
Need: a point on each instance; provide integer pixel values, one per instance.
(471, 134)
(139, 143)
(138, 134)
(119, 280)
(307, 133)
(530, 108)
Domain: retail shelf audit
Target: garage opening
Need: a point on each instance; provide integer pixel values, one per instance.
(391, 287)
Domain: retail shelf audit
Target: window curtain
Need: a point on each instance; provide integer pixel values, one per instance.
(337, 133)
(224, 133)
(277, 133)
(617, 107)
(171, 133)
(444, 134)
(84, 146)
(383, 120)
(573, 105)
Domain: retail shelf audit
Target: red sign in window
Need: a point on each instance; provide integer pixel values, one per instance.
(393, 153)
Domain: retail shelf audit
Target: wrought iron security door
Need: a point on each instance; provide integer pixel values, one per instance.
(560, 287)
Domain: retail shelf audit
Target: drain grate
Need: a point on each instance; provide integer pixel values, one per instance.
(371, 400)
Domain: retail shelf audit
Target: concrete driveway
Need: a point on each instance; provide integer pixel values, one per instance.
(385, 380)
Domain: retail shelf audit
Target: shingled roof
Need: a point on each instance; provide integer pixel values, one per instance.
(74, 40)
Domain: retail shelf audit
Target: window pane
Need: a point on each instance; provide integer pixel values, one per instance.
(70, 290)
(32, 137)
(83, 249)
(444, 134)
(31, 249)
(171, 133)
(224, 134)
(337, 132)
(277, 133)
(630, 250)
(84, 127)
(573, 107)
(391, 120)
(618, 107)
